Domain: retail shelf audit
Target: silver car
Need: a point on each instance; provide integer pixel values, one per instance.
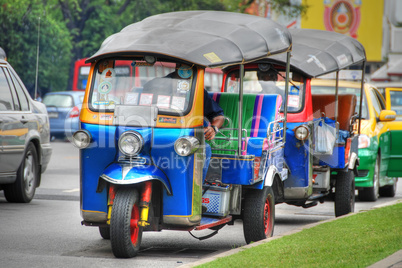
(24, 138)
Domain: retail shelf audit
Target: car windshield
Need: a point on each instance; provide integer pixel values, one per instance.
(396, 102)
(343, 90)
(163, 84)
(58, 100)
(257, 82)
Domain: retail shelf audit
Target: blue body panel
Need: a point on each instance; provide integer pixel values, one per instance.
(94, 160)
(175, 171)
(237, 171)
(179, 170)
(297, 159)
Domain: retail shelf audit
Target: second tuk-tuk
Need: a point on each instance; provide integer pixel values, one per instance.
(142, 132)
(321, 149)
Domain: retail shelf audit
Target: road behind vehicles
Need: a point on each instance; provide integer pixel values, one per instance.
(64, 108)
(322, 129)
(24, 138)
(142, 141)
(379, 141)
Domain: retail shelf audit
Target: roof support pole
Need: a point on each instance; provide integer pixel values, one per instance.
(240, 105)
(361, 96)
(336, 96)
(285, 110)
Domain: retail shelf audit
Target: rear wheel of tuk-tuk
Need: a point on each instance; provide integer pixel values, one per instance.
(125, 233)
(259, 214)
(344, 193)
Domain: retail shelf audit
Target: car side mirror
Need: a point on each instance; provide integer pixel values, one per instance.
(387, 115)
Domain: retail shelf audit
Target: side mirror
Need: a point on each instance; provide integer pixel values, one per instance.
(387, 115)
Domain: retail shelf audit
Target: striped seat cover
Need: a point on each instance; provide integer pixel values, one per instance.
(258, 111)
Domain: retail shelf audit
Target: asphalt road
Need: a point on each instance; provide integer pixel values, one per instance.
(47, 232)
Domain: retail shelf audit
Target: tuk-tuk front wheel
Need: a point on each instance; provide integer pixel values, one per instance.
(259, 214)
(125, 233)
(344, 193)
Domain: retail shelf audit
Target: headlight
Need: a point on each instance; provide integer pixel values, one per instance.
(81, 139)
(301, 132)
(186, 145)
(364, 141)
(131, 143)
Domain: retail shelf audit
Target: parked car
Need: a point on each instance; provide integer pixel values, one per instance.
(380, 143)
(24, 138)
(64, 109)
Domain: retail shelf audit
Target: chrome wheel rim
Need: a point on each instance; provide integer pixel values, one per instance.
(29, 173)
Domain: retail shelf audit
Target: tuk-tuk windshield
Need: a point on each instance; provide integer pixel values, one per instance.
(315, 89)
(136, 82)
(269, 82)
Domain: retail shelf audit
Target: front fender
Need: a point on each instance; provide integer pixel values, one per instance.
(125, 174)
(270, 175)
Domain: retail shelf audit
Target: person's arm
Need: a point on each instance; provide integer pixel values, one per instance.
(211, 130)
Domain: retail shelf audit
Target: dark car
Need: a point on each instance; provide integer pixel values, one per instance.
(64, 109)
(24, 138)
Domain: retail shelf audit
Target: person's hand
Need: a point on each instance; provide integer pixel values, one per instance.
(209, 133)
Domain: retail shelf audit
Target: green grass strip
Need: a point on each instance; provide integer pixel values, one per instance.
(355, 241)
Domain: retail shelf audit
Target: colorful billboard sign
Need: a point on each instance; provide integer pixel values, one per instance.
(361, 19)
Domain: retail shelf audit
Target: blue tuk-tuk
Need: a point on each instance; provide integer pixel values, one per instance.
(322, 129)
(142, 130)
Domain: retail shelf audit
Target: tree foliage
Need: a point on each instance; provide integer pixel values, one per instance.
(19, 23)
(74, 29)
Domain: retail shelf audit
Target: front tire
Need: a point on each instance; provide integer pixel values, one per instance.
(259, 214)
(344, 193)
(372, 193)
(23, 189)
(125, 233)
(104, 232)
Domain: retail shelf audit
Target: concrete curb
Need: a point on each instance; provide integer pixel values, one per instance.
(391, 260)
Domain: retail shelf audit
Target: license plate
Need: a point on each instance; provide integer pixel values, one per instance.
(53, 115)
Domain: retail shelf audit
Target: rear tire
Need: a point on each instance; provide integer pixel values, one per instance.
(259, 214)
(344, 193)
(372, 193)
(125, 233)
(23, 189)
(389, 190)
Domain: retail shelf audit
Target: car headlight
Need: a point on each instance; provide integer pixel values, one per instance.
(130, 143)
(364, 141)
(301, 132)
(81, 139)
(186, 145)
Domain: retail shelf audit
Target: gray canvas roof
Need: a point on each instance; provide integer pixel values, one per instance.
(317, 52)
(3, 55)
(206, 38)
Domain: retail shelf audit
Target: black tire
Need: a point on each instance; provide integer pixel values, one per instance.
(125, 233)
(389, 190)
(259, 214)
(344, 193)
(104, 232)
(23, 189)
(372, 193)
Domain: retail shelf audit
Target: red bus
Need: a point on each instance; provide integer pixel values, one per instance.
(212, 78)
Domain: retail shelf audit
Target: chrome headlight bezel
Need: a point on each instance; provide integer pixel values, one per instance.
(131, 139)
(302, 132)
(186, 145)
(81, 139)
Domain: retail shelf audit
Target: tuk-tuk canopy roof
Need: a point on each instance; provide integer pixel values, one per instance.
(317, 52)
(206, 38)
